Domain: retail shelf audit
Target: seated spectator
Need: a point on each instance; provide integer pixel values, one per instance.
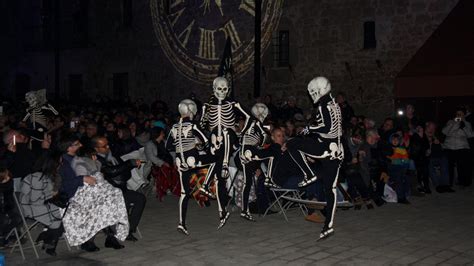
(350, 169)
(19, 158)
(37, 192)
(9, 218)
(289, 110)
(373, 165)
(290, 129)
(286, 173)
(155, 150)
(91, 131)
(125, 143)
(346, 110)
(92, 207)
(117, 173)
(273, 110)
(161, 162)
(369, 124)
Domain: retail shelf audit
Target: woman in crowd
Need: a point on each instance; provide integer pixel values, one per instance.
(456, 145)
(38, 191)
(93, 203)
(161, 161)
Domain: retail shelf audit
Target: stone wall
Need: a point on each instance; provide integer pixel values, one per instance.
(326, 38)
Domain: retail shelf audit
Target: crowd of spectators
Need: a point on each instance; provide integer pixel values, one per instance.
(77, 164)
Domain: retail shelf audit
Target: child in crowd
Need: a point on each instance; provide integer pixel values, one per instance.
(400, 164)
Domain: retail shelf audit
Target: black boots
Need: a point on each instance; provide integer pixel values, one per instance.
(111, 241)
(89, 246)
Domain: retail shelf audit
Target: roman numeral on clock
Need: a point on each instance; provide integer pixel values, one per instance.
(249, 6)
(186, 32)
(207, 48)
(230, 32)
(175, 16)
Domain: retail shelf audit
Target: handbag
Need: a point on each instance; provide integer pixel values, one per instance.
(60, 200)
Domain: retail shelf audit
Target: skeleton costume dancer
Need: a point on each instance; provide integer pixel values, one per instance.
(252, 154)
(183, 137)
(219, 116)
(37, 112)
(321, 142)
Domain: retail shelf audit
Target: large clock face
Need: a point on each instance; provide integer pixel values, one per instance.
(193, 33)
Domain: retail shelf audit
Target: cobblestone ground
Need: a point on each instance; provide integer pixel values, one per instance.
(436, 229)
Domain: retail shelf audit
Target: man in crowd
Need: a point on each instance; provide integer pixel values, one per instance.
(118, 172)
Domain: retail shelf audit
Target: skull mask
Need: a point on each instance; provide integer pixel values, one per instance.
(36, 98)
(187, 108)
(221, 88)
(318, 87)
(260, 111)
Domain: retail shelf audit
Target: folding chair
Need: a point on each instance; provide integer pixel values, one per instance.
(279, 194)
(148, 188)
(14, 232)
(139, 233)
(138, 229)
(343, 200)
(27, 228)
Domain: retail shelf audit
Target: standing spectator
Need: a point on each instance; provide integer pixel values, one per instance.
(438, 166)
(457, 132)
(398, 168)
(470, 118)
(419, 145)
(409, 121)
(386, 130)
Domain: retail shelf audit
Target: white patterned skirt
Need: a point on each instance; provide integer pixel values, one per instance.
(92, 209)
